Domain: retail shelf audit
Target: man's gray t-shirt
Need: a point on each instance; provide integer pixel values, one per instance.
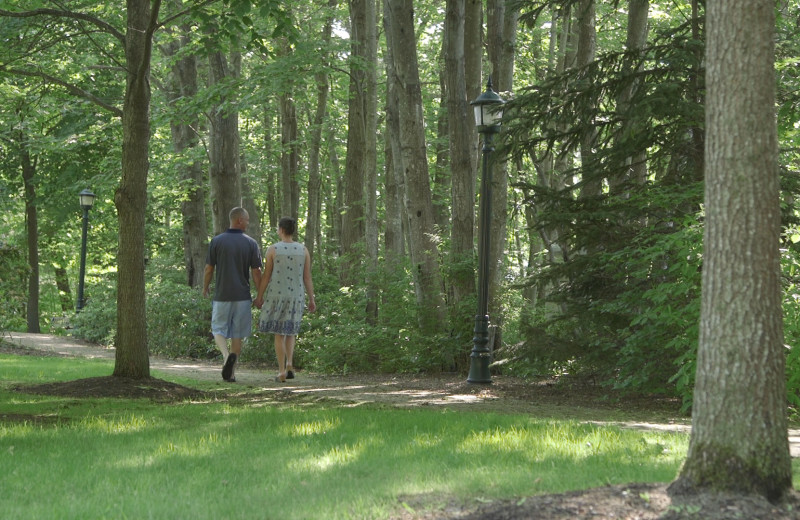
(233, 254)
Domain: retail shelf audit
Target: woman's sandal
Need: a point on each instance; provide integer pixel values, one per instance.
(280, 378)
(289, 373)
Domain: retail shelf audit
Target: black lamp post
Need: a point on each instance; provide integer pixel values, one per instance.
(488, 112)
(87, 199)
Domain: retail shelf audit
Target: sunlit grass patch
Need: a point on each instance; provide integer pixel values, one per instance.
(117, 458)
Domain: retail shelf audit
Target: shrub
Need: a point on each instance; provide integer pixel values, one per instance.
(178, 319)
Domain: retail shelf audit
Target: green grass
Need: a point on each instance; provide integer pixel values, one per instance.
(247, 458)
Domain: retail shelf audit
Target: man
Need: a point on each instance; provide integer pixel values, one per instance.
(235, 257)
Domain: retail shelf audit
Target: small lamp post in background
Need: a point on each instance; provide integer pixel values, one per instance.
(87, 199)
(488, 113)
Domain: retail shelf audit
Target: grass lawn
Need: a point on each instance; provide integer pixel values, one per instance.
(245, 457)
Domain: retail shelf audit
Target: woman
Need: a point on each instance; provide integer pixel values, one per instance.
(287, 272)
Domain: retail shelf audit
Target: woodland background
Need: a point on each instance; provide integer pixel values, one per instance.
(354, 118)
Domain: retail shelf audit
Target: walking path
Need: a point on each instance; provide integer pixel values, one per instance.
(399, 390)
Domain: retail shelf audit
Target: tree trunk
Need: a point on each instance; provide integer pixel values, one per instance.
(336, 218)
(442, 180)
(353, 231)
(462, 159)
(289, 157)
(32, 228)
(739, 439)
(185, 140)
(64, 292)
(254, 227)
(394, 242)
(371, 158)
(313, 222)
(636, 40)
(473, 56)
(272, 215)
(226, 184)
(132, 357)
(587, 46)
(501, 37)
(398, 17)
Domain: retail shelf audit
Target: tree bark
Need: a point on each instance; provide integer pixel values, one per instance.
(398, 17)
(313, 222)
(32, 228)
(501, 38)
(353, 225)
(638, 11)
(394, 242)
(132, 357)
(64, 291)
(226, 183)
(739, 439)
(462, 158)
(371, 158)
(185, 140)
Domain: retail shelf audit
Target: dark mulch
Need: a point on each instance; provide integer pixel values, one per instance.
(112, 386)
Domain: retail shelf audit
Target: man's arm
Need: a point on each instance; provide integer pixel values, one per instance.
(207, 275)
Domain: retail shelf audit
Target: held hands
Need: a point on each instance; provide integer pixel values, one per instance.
(258, 302)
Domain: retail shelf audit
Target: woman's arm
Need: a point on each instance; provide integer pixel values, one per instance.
(263, 282)
(312, 304)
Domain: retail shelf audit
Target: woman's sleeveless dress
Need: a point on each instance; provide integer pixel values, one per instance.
(285, 299)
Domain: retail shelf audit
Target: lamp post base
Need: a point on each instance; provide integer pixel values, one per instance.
(481, 356)
(479, 370)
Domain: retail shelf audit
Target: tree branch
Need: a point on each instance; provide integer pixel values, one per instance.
(73, 15)
(74, 89)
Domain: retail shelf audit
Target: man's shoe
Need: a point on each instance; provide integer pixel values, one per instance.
(227, 369)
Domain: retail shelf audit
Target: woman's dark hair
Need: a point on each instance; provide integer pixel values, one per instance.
(288, 225)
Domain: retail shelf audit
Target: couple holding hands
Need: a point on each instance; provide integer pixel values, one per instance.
(281, 290)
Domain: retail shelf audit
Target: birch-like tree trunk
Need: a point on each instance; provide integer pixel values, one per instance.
(739, 439)
(399, 24)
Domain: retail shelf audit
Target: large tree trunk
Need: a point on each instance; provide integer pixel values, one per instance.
(313, 222)
(462, 159)
(473, 55)
(399, 20)
(739, 428)
(185, 140)
(501, 37)
(32, 228)
(289, 156)
(132, 358)
(587, 47)
(371, 158)
(394, 241)
(441, 152)
(226, 184)
(636, 40)
(272, 214)
(64, 291)
(353, 231)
